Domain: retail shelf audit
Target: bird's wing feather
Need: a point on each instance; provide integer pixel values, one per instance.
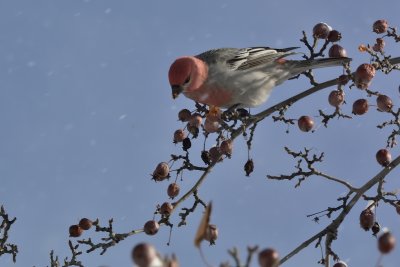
(245, 58)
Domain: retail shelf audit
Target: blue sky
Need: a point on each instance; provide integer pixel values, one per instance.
(86, 113)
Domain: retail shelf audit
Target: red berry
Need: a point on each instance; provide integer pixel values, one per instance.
(268, 258)
(334, 36)
(380, 26)
(143, 254)
(360, 107)
(249, 167)
(383, 157)
(226, 147)
(384, 103)
(151, 227)
(184, 115)
(337, 51)
(211, 126)
(75, 231)
(367, 219)
(195, 120)
(179, 135)
(173, 190)
(85, 223)
(305, 123)
(166, 208)
(215, 154)
(211, 233)
(321, 30)
(364, 75)
(386, 242)
(336, 98)
(161, 172)
(340, 264)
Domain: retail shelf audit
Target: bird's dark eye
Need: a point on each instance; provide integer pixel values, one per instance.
(187, 80)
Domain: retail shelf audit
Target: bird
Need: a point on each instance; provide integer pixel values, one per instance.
(238, 77)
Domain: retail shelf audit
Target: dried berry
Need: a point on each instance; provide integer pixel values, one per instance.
(215, 154)
(179, 135)
(151, 227)
(321, 30)
(337, 51)
(143, 254)
(205, 156)
(161, 172)
(360, 107)
(249, 167)
(193, 130)
(384, 103)
(305, 123)
(375, 228)
(195, 120)
(364, 75)
(186, 144)
(383, 157)
(211, 126)
(173, 190)
(75, 231)
(380, 26)
(166, 209)
(379, 45)
(268, 257)
(211, 233)
(340, 264)
(85, 223)
(336, 98)
(226, 147)
(367, 219)
(184, 115)
(334, 36)
(386, 242)
(214, 114)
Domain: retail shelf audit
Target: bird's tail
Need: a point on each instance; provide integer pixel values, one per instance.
(303, 65)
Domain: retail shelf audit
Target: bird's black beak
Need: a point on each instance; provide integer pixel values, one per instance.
(176, 90)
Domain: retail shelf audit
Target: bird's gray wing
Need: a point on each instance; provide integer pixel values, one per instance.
(244, 58)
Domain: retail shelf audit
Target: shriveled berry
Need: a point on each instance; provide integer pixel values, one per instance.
(340, 264)
(343, 79)
(367, 219)
(75, 231)
(173, 190)
(383, 157)
(226, 147)
(211, 233)
(380, 26)
(334, 36)
(305, 123)
(215, 154)
(193, 130)
(268, 257)
(151, 227)
(337, 51)
(379, 45)
(386, 242)
(85, 223)
(195, 120)
(186, 144)
(375, 228)
(321, 30)
(364, 75)
(384, 103)
(336, 98)
(360, 106)
(161, 172)
(184, 115)
(166, 208)
(211, 126)
(205, 156)
(179, 135)
(249, 167)
(143, 254)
